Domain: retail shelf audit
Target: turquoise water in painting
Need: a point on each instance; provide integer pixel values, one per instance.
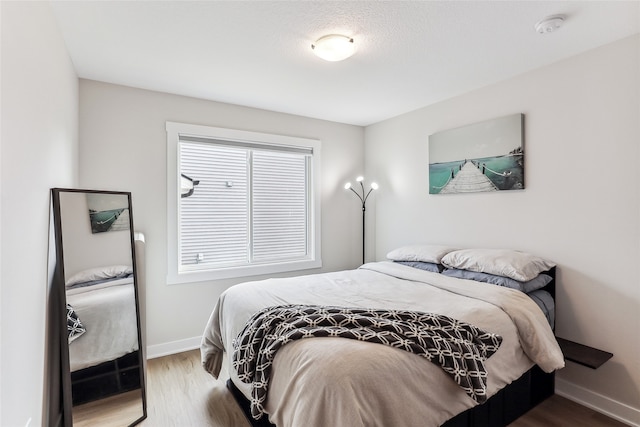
(512, 165)
(109, 220)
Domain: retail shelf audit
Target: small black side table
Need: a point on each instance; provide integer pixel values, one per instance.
(582, 354)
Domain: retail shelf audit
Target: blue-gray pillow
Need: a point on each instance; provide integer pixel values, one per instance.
(428, 266)
(540, 281)
(546, 303)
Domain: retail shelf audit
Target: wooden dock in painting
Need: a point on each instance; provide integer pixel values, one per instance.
(469, 180)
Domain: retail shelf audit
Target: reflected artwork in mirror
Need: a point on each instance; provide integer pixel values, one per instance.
(103, 377)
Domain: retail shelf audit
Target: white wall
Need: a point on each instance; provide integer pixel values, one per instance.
(124, 148)
(580, 208)
(38, 150)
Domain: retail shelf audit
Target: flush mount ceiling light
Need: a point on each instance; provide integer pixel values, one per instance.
(550, 24)
(334, 47)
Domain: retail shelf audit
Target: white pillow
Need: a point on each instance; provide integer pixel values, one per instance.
(424, 253)
(501, 262)
(99, 273)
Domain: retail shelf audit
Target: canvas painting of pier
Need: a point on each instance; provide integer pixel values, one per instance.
(108, 212)
(481, 157)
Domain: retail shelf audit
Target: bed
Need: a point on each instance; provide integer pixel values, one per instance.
(354, 382)
(102, 330)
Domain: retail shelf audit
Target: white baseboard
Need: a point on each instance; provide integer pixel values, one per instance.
(605, 405)
(173, 347)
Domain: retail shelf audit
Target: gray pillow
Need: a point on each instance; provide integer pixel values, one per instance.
(428, 266)
(537, 282)
(546, 303)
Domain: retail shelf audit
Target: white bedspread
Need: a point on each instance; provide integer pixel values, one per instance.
(341, 382)
(108, 313)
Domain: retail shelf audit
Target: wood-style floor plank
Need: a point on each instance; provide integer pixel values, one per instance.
(560, 412)
(125, 406)
(181, 394)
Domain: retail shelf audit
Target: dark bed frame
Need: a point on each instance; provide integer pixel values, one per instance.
(510, 403)
(106, 379)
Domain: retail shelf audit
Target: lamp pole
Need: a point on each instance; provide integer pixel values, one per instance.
(363, 199)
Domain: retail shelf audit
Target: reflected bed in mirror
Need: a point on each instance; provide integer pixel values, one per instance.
(102, 363)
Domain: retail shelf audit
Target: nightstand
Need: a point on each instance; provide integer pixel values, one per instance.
(582, 354)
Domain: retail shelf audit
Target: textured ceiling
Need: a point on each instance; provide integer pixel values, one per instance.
(257, 53)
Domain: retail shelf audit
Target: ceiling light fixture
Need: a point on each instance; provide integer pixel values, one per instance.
(334, 47)
(550, 24)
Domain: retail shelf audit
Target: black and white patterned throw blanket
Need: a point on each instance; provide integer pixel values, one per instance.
(459, 348)
(75, 328)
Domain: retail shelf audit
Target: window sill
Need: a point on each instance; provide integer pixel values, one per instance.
(240, 272)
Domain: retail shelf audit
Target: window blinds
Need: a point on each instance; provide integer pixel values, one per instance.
(251, 206)
(279, 206)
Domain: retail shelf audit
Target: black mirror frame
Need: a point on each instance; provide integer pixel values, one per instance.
(58, 284)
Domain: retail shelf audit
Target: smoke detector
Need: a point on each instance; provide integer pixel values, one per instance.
(550, 24)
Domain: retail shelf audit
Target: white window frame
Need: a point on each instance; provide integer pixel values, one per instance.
(174, 273)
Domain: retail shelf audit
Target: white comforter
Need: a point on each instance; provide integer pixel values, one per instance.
(341, 382)
(108, 313)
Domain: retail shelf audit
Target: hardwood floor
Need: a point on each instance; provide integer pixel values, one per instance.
(560, 412)
(125, 406)
(181, 394)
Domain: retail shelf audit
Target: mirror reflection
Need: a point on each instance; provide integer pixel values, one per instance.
(103, 334)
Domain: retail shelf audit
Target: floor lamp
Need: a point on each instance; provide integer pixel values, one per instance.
(363, 198)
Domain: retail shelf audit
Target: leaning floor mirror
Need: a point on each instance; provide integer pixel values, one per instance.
(103, 376)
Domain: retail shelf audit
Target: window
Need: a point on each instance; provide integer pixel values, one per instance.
(240, 203)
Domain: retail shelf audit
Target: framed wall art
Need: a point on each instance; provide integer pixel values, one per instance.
(481, 157)
(108, 212)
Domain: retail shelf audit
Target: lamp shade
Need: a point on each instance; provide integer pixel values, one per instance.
(334, 47)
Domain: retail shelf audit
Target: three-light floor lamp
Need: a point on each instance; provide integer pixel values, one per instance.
(363, 198)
